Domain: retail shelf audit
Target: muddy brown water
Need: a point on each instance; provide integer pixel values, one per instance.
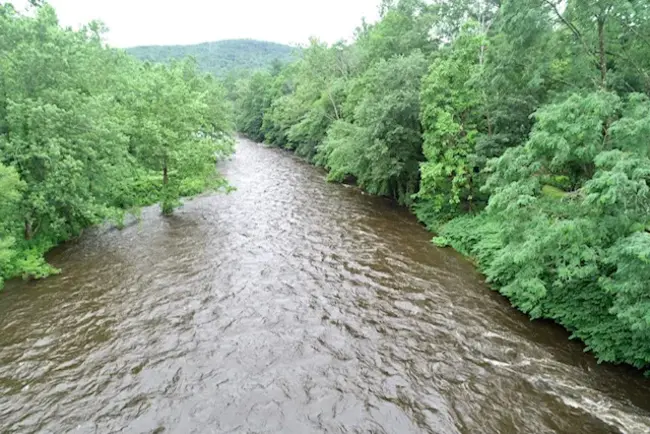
(291, 305)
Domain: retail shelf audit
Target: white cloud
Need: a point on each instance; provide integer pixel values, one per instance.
(156, 22)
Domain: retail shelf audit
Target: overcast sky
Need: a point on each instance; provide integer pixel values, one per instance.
(155, 22)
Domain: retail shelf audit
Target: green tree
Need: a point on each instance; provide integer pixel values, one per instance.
(575, 198)
(179, 130)
(404, 28)
(83, 127)
(61, 133)
(11, 189)
(452, 117)
(382, 145)
(252, 103)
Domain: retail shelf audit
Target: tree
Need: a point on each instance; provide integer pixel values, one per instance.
(452, 117)
(82, 128)
(10, 195)
(179, 130)
(404, 28)
(252, 102)
(381, 147)
(60, 133)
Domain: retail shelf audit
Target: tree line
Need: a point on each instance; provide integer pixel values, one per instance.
(89, 134)
(518, 131)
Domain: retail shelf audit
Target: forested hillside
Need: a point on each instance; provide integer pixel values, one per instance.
(89, 134)
(517, 131)
(221, 57)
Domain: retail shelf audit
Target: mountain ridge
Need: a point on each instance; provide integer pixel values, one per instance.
(220, 57)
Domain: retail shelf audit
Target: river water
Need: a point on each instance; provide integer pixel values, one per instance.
(291, 305)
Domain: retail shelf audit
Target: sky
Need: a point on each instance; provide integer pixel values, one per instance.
(162, 22)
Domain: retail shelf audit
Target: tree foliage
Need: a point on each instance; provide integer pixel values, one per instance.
(381, 144)
(516, 129)
(87, 133)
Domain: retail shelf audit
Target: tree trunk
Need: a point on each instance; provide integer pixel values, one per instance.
(167, 207)
(601, 49)
(489, 123)
(29, 233)
(336, 111)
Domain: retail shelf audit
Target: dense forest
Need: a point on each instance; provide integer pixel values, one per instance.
(89, 134)
(222, 57)
(518, 131)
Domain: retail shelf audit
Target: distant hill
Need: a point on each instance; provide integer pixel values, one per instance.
(220, 57)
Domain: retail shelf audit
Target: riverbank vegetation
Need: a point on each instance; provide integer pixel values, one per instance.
(517, 130)
(88, 134)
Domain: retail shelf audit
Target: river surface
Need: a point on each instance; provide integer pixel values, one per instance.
(291, 305)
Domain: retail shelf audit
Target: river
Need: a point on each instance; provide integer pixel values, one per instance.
(290, 305)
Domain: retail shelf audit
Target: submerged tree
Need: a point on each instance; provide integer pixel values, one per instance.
(180, 145)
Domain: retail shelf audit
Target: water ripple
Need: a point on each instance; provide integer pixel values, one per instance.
(291, 305)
